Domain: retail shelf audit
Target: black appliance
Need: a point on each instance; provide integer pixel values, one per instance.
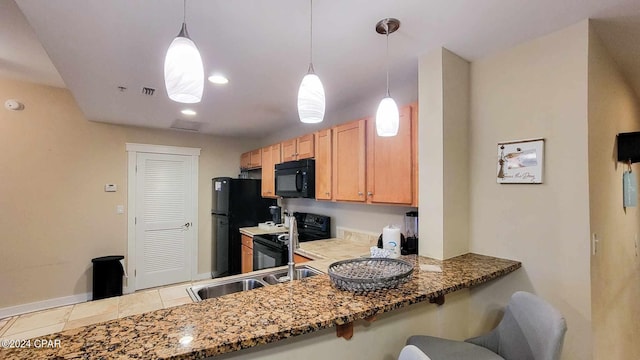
(296, 179)
(272, 250)
(629, 147)
(236, 203)
(276, 214)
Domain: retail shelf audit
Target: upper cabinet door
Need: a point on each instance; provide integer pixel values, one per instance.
(256, 158)
(390, 172)
(288, 150)
(305, 147)
(270, 157)
(298, 148)
(276, 155)
(323, 164)
(267, 174)
(245, 160)
(349, 161)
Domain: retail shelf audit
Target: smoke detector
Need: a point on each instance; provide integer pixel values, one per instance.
(13, 105)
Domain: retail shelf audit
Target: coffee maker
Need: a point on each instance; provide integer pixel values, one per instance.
(409, 245)
(276, 214)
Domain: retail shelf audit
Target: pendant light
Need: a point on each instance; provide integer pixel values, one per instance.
(387, 116)
(311, 93)
(183, 70)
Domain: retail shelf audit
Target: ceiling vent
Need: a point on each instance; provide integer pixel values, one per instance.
(186, 125)
(148, 91)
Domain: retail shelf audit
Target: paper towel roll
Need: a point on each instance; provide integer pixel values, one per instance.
(391, 240)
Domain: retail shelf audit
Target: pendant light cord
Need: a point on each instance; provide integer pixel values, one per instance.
(184, 11)
(386, 30)
(311, 70)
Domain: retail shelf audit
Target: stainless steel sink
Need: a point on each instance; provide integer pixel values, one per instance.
(300, 273)
(208, 291)
(221, 287)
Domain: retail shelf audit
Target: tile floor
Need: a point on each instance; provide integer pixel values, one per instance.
(45, 322)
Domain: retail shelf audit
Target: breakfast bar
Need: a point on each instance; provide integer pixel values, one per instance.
(265, 315)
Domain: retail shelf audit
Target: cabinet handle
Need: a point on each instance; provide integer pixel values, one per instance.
(360, 193)
(328, 193)
(369, 193)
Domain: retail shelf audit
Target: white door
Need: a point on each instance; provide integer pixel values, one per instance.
(164, 225)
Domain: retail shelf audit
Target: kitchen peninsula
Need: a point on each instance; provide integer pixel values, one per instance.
(266, 315)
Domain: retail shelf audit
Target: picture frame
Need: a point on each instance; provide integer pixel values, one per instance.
(520, 161)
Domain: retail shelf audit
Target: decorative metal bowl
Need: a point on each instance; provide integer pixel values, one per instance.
(369, 274)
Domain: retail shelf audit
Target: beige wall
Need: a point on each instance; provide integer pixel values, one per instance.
(431, 155)
(54, 214)
(615, 269)
(537, 89)
(444, 154)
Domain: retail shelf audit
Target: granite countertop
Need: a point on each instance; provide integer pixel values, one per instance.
(247, 319)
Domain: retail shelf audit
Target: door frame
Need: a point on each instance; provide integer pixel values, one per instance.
(132, 150)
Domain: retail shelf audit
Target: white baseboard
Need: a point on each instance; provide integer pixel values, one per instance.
(65, 300)
(44, 304)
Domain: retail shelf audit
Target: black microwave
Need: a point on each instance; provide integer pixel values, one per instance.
(296, 179)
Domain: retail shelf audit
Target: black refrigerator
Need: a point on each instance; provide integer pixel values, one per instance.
(236, 203)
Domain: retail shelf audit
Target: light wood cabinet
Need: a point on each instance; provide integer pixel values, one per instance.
(256, 158)
(247, 253)
(251, 159)
(245, 160)
(288, 150)
(390, 162)
(300, 259)
(352, 162)
(323, 152)
(305, 146)
(299, 148)
(270, 157)
(349, 161)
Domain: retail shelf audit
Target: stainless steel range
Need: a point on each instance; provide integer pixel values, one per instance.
(270, 250)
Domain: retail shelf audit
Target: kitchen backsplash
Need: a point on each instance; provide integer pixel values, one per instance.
(364, 237)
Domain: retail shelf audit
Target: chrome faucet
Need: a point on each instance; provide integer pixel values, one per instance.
(293, 244)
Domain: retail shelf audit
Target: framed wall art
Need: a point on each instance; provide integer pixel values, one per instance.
(520, 162)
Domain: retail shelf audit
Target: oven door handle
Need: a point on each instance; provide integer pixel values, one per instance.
(299, 178)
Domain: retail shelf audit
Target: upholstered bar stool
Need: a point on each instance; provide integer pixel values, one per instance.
(531, 329)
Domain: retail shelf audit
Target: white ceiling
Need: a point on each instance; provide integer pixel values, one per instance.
(262, 46)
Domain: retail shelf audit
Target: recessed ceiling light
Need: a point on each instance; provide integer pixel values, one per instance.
(188, 112)
(218, 79)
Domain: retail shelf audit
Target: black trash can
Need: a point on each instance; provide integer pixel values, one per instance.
(107, 276)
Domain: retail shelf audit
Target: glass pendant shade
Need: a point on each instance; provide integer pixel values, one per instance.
(311, 99)
(387, 118)
(183, 70)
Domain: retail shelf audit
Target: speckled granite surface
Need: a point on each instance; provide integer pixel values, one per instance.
(259, 316)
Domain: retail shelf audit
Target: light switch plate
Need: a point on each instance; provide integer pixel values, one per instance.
(110, 188)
